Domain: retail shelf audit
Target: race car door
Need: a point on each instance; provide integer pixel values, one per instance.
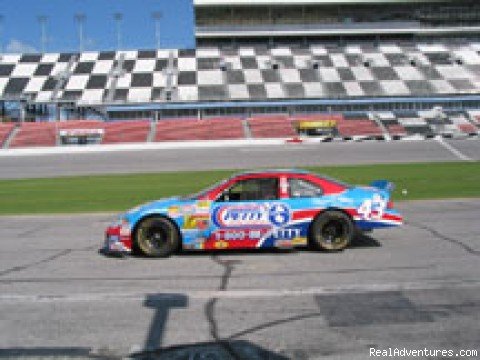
(303, 198)
(245, 214)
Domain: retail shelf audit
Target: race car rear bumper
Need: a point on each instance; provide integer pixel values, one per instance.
(388, 219)
(118, 240)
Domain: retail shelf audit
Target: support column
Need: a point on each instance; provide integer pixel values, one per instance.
(57, 112)
(23, 110)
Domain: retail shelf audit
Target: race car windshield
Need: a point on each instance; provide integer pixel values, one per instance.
(203, 192)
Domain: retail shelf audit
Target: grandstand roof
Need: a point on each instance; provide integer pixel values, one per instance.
(302, 2)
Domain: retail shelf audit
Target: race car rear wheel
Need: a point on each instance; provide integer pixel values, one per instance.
(332, 231)
(156, 237)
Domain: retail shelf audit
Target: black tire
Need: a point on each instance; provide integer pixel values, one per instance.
(332, 230)
(156, 237)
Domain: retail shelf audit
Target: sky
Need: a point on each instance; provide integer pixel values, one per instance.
(20, 26)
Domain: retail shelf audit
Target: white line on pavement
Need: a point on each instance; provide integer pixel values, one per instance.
(453, 150)
(241, 294)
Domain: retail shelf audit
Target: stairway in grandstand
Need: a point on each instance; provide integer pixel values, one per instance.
(7, 132)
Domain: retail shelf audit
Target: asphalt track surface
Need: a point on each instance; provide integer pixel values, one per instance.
(238, 157)
(414, 287)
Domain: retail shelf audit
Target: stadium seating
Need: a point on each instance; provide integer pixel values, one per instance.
(80, 124)
(348, 125)
(35, 134)
(390, 122)
(271, 126)
(5, 130)
(396, 130)
(474, 117)
(468, 129)
(461, 124)
(126, 131)
(415, 124)
(247, 73)
(358, 125)
(194, 129)
(225, 128)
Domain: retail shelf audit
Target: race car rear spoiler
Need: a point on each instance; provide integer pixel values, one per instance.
(383, 185)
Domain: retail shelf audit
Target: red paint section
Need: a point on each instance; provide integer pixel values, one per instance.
(237, 244)
(235, 239)
(305, 214)
(114, 231)
(351, 211)
(127, 241)
(329, 187)
(391, 217)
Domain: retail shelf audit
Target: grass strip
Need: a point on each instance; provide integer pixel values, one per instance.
(120, 192)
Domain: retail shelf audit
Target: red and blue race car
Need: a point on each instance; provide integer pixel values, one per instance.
(270, 208)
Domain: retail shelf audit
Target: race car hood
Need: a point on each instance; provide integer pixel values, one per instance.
(162, 206)
(159, 206)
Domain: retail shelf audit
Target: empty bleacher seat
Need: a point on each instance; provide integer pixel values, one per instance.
(34, 134)
(126, 131)
(218, 128)
(358, 126)
(271, 126)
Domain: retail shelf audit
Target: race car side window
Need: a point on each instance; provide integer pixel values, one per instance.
(300, 188)
(251, 189)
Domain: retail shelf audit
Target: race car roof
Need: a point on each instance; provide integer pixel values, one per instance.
(272, 171)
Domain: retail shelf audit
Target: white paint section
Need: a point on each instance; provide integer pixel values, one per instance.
(453, 150)
(140, 146)
(247, 145)
(241, 294)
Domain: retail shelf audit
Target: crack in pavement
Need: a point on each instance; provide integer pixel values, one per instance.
(228, 266)
(29, 232)
(42, 261)
(206, 277)
(274, 323)
(441, 236)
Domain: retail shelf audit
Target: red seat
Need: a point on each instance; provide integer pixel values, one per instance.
(34, 134)
(193, 129)
(271, 126)
(126, 131)
(467, 128)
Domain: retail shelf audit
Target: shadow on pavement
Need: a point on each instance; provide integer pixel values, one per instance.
(244, 350)
(364, 241)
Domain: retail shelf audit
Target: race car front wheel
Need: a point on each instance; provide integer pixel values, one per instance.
(156, 237)
(331, 230)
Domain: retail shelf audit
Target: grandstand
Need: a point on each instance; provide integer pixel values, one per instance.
(274, 21)
(325, 59)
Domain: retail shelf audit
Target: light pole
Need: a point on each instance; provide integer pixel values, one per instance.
(118, 17)
(42, 20)
(80, 19)
(157, 16)
(1, 34)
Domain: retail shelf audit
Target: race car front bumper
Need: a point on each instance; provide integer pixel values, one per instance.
(118, 239)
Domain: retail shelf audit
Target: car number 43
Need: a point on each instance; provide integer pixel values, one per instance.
(372, 209)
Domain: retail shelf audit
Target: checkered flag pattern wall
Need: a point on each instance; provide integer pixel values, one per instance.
(242, 73)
